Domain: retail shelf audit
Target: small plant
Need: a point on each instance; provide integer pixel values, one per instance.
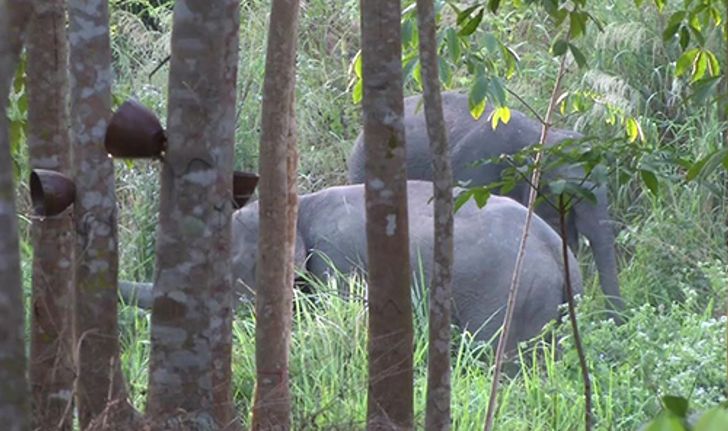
(675, 417)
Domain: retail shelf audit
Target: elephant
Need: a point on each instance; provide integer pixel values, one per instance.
(331, 234)
(472, 140)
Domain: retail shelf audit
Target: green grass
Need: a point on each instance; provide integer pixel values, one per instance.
(671, 245)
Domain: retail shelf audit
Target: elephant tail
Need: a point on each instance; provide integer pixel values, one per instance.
(139, 294)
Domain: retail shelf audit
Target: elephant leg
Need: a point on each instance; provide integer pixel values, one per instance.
(593, 222)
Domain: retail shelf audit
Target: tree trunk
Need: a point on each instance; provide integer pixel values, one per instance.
(51, 363)
(723, 117)
(193, 263)
(278, 209)
(221, 297)
(100, 383)
(437, 416)
(390, 398)
(14, 401)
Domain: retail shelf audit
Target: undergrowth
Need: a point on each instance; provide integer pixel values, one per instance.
(671, 246)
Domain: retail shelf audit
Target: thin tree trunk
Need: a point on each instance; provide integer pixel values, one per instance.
(51, 364)
(390, 397)
(437, 416)
(100, 383)
(723, 116)
(515, 281)
(278, 208)
(572, 316)
(221, 298)
(14, 400)
(195, 207)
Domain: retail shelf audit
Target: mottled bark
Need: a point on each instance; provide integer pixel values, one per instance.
(14, 400)
(99, 381)
(437, 416)
(193, 264)
(390, 398)
(278, 208)
(51, 363)
(723, 115)
(221, 295)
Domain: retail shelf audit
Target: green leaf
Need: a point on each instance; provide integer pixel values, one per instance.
(713, 65)
(476, 97)
(19, 79)
(493, 5)
(512, 59)
(461, 199)
(465, 14)
(357, 91)
(445, 72)
(677, 405)
(715, 419)
(357, 64)
(676, 19)
(650, 180)
(559, 48)
(707, 165)
(685, 61)
(481, 196)
(557, 186)
(684, 38)
(472, 25)
(634, 131)
(490, 41)
(705, 89)
(417, 73)
(453, 44)
(409, 67)
(408, 32)
(715, 15)
(500, 114)
(497, 91)
(660, 5)
(577, 24)
(670, 31)
(578, 55)
(700, 65)
(665, 422)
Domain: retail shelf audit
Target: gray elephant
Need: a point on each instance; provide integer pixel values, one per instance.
(331, 232)
(472, 140)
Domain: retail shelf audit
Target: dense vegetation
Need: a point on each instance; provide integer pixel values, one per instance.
(671, 243)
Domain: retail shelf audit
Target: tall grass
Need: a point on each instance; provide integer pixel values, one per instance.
(669, 348)
(670, 245)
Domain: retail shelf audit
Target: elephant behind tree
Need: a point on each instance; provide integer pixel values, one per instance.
(331, 231)
(472, 140)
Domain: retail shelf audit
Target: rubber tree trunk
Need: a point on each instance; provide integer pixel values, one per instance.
(390, 399)
(437, 416)
(278, 210)
(193, 262)
(221, 295)
(51, 363)
(100, 383)
(14, 399)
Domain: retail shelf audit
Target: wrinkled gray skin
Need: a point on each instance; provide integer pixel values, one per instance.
(472, 140)
(332, 223)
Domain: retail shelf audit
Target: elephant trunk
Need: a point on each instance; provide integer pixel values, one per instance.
(593, 221)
